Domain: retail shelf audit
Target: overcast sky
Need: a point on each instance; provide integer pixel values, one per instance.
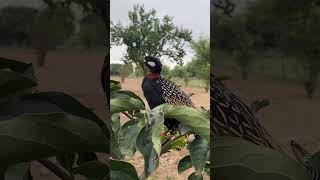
(191, 14)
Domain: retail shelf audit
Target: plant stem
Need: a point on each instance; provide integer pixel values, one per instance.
(55, 169)
(167, 145)
(128, 115)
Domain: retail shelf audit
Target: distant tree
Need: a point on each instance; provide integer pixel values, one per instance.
(147, 34)
(165, 71)
(125, 71)
(15, 25)
(50, 28)
(115, 69)
(92, 31)
(181, 72)
(201, 60)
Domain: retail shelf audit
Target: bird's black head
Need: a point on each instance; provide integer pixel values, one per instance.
(153, 64)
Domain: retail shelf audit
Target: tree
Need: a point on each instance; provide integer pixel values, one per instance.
(15, 25)
(125, 71)
(201, 60)
(50, 28)
(92, 31)
(147, 34)
(115, 69)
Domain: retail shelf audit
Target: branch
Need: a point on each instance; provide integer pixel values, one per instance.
(167, 145)
(56, 169)
(128, 115)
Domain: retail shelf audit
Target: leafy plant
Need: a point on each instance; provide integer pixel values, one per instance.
(142, 132)
(37, 125)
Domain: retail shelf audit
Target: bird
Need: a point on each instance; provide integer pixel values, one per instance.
(158, 90)
(230, 116)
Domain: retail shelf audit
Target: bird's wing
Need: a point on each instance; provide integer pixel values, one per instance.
(172, 94)
(232, 117)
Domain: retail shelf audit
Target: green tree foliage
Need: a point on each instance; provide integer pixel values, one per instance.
(115, 69)
(92, 31)
(15, 25)
(201, 61)
(149, 35)
(50, 28)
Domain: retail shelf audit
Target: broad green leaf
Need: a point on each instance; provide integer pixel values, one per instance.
(12, 83)
(70, 105)
(127, 94)
(92, 169)
(18, 171)
(128, 136)
(114, 86)
(48, 135)
(115, 126)
(199, 149)
(156, 118)
(14, 65)
(149, 141)
(184, 164)
(121, 170)
(244, 158)
(118, 105)
(197, 121)
(195, 176)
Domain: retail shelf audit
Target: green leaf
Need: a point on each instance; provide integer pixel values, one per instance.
(118, 105)
(115, 126)
(12, 83)
(244, 158)
(197, 121)
(149, 141)
(92, 169)
(199, 149)
(184, 164)
(121, 170)
(127, 94)
(114, 86)
(70, 105)
(48, 135)
(128, 136)
(18, 171)
(16, 66)
(195, 176)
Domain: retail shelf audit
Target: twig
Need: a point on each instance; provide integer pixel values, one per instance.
(167, 145)
(128, 115)
(55, 169)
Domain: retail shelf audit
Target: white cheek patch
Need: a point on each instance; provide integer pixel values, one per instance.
(152, 64)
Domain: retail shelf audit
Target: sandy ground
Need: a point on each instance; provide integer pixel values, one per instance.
(291, 115)
(167, 169)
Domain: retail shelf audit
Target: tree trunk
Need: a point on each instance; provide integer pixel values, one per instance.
(283, 73)
(41, 57)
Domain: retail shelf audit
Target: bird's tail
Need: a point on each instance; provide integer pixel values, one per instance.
(305, 158)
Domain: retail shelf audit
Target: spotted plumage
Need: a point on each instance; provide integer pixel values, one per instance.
(232, 117)
(172, 94)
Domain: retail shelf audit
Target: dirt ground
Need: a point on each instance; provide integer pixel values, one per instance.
(167, 169)
(291, 115)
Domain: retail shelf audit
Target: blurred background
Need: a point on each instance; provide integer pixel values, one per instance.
(178, 33)
(65, 40)
(270, 49)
